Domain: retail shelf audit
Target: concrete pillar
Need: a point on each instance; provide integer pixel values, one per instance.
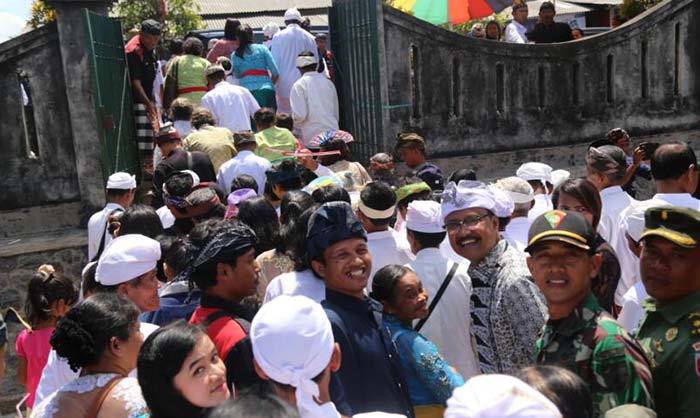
(81, 105)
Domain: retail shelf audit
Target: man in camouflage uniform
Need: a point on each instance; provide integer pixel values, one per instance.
(670, 331)
(580, 335)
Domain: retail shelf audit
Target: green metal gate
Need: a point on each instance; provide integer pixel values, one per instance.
(354, 37)
(112, 94)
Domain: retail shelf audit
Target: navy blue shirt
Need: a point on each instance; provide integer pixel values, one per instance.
(370, 376)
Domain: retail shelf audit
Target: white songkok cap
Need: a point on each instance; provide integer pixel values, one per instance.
(499, 396)
(424, 216)
(559, 177)
(126, 258)
(270, 29)
(292, 14)
(306, 60)
(535, 171)
(293, 343)
(466, 195)
(504, 203)
(632, 218)
(121, 181)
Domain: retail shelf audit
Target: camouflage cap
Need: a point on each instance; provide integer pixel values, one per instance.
(679, 225)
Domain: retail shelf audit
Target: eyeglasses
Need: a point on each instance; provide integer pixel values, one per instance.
(456, 225)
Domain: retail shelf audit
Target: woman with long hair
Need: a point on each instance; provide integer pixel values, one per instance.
(180, 372)
(254, 66)
(225, 46)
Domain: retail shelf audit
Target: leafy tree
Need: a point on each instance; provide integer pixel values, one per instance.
(41, 14)
(182, 15)
(631, 8)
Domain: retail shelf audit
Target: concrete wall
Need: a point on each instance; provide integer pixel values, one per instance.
(51, 177)
(477, 96)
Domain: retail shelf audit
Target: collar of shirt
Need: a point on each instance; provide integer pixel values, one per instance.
(580, 318)
(493, 259)
(429, 254)
(233, 308)
(242, 154)
(613, 190)
(520, 27)
(222, 83)
(395, 322)
(677, 199)
(353, 304)
(376, 236)
(178, 150)
(675, 311)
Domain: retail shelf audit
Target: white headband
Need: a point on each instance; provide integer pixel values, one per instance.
(374, 213)
(305, 61)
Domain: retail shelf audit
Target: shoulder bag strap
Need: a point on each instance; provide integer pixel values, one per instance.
(99, 400)
(438, 295)
(223, 314)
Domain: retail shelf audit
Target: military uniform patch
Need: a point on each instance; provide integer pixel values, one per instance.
(696, 346)
(671, 334)
(697, 364)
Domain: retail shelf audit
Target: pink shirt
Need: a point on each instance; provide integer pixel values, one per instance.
(34, 346)
(222, 48)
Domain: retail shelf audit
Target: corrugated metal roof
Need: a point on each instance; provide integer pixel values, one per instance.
(224, 7)
(258, 21)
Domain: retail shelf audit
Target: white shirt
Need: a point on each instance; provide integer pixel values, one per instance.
(157, 84)
(515, 33)
(632, 310)
(615, 200)
(232, 106)
(244, 163)
(296, 283)
(183, 127)
(166, 217)
(286, 46)
(516, 232)
(543, 204)
(314, 102)
(97, 227)
(684, 200)
(57, 372)
(448, 325)
(387, 247)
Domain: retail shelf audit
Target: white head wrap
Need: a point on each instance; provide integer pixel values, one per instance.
(121, 181)
(270, 29)
(559, 177)
(293, 343)
(504, 203)
(466, 195)
(632, 218)
(126, 258)
(305, 61)
(292, 14)
(536, 171)
(518, 189)
(424, 216)
(499, 396)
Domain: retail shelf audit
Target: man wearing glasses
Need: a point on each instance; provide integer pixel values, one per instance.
(507, 310)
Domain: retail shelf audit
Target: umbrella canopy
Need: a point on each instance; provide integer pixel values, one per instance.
(439, 12)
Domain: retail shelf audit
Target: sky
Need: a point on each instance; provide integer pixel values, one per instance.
(13, 15)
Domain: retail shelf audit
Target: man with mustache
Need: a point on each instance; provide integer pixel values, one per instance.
(507, 310)
(370, 376)
(580, 335)
(670, 332)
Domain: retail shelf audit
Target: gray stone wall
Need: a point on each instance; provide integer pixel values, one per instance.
(51, 176)
(469, 96)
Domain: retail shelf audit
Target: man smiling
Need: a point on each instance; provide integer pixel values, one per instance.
(507, 310)
(580, 335)
(370, 377)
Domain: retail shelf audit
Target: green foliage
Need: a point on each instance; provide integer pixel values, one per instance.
(631, 8)
(41, 14)
(182, 16)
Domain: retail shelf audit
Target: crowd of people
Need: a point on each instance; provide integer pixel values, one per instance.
(269, 275)
(519, 31)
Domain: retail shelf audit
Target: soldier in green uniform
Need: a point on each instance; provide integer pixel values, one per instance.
(670, 331)
(580, 336)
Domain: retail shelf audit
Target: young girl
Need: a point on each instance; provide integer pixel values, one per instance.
(180, 372)
(49, 296)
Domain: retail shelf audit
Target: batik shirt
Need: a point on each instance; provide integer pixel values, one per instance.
(590, 343)
(670, 335)
(507, 310)
(429, 378)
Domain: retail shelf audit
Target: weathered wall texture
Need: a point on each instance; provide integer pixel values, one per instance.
(471, 96)
(50, 178)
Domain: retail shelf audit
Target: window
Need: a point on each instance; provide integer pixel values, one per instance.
(28, 123)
